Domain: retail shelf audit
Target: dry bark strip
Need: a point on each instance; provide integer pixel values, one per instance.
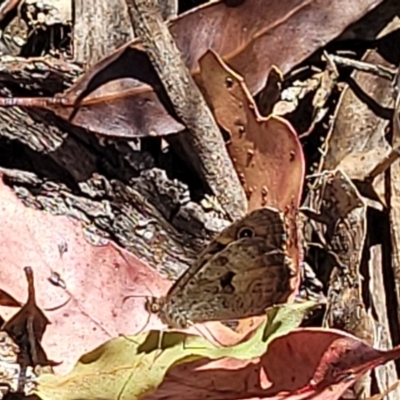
(92, 41)
(339, 218)
(115, 190)
(393, 180)
(386, 375)
(168, 8)
(100, 27)
(112, 189)
(358, 145)
(204, 141)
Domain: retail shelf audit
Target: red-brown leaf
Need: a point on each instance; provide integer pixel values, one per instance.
(7, 300)
(266, 152)
(101, 281)
(250, 38)
(317, 364)
(307, 363)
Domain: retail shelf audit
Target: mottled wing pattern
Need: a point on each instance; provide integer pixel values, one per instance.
(266, 223)
(239, 274)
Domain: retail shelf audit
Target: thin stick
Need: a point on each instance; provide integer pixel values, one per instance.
(378, 70)
(205, 143)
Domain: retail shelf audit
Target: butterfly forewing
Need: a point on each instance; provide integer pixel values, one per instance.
(267, 223)
(244, 270)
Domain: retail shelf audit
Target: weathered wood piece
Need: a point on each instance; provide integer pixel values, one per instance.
(204, 141)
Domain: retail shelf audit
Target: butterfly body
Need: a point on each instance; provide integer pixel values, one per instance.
(243, 271)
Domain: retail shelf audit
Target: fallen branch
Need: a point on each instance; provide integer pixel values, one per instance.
(203, 141)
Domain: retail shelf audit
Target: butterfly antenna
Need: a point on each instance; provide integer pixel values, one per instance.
(160, 339)
(122, 253)
(138, 332)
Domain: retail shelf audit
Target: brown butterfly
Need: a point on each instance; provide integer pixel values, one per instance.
(241, 272)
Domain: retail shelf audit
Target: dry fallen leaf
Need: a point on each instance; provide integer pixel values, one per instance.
(357, 142)
(134, 366)
(7, 300)
(266, 152)
(276, 32)
(106, 287)
(27, 327)
(302, 364)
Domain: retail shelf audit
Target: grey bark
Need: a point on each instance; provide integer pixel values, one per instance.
(204, 141)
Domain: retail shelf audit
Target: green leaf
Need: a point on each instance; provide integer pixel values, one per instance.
(280, 321)
(132, 367)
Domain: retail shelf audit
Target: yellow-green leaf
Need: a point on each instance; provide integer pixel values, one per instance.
(131, 367)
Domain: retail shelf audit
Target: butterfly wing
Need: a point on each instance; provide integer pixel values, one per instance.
(266, 223)
(240, 273)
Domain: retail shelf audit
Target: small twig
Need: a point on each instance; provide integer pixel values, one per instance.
(207, 146)
(378, 70)
(383, 165)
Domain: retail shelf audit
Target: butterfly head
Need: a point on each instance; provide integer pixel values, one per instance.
(162, 308)
(154, 304)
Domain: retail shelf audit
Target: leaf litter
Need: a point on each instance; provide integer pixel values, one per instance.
(131, 108)
(93, 296)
